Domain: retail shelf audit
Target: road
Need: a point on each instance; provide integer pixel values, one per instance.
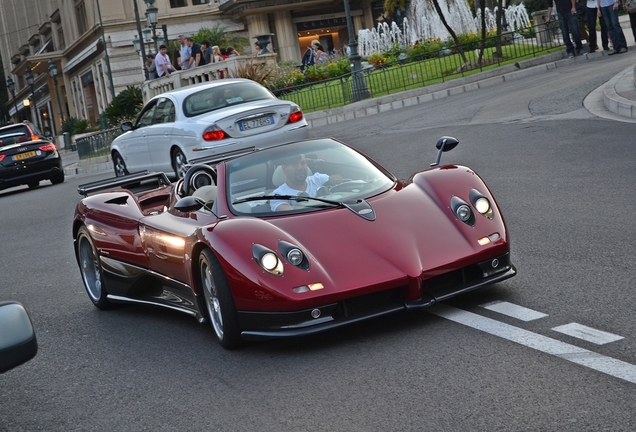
(564, 179)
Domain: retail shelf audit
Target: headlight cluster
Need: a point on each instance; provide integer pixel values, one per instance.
(271, 262)
(463, 210)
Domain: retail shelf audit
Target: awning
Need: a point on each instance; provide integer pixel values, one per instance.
(84, 55)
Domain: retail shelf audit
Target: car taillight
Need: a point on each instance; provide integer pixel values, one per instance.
(47, 147)
(2, 157)
(213, 133)
(295, 115)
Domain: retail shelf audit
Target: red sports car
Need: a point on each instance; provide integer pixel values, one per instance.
(290, 240)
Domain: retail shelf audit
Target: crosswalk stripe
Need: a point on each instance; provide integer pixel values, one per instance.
(588, 334)
(514, 311)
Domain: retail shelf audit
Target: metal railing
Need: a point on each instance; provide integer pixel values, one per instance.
(97, 144)
(422, 70)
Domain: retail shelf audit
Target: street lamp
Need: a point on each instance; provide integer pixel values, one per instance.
(138, 39)
(53, 73)
(29, 78)
(152, 16)
(359, 89)
(11, 87)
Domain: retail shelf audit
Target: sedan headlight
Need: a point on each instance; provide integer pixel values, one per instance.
(268, 260)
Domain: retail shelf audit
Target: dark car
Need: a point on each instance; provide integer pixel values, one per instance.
(25, 158)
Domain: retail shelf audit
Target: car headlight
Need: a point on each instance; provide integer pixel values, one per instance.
(481, 203)
(293, 254)
(268, 260)
(462, 211)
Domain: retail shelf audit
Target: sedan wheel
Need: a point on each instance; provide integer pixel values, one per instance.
(218, 301)
(179, 163)
(91, 270)
(119, 165)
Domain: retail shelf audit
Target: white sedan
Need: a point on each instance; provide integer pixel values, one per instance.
(182, 126)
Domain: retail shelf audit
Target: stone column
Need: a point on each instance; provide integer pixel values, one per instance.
(357, 24)
(257, 24)
(287, 37)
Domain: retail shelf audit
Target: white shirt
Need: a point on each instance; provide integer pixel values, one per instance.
(314, 182)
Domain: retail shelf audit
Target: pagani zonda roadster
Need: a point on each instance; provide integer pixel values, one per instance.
(290, 240)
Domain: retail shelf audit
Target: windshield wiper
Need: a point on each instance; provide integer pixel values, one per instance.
(289, 197)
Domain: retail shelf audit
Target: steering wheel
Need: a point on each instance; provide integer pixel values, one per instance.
(197, 176)
(349, 186)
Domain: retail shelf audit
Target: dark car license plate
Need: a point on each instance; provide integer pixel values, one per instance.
(256, 123)
(26, 155)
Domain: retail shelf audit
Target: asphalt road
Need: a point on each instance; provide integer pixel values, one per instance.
(564, 179)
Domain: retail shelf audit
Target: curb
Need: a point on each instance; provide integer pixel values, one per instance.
(614, 101)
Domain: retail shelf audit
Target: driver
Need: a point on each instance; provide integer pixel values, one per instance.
(298, 182)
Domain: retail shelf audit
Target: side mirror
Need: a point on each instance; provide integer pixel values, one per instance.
(126, 126)
(17, 337)
(444, 144)
(189, 204)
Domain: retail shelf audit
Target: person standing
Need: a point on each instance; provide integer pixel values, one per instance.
(592, 14)
(608, 11)
(151, 67)
(309, 58)
(631, 11)
(196, 57)
(566, 11)
(184, 59)
(206, 50)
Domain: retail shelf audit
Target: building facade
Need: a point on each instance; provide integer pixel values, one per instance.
(91, 44)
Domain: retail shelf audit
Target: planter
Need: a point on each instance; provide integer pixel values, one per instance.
(263, 40)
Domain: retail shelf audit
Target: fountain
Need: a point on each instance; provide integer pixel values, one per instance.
(423, 23)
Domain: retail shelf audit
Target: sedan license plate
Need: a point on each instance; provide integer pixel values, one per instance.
(26, 155)
(256, 123)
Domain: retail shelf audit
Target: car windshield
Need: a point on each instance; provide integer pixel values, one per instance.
(10, 135)
(302, 177)
(211, 99)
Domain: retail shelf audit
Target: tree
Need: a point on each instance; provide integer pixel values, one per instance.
(460, 50)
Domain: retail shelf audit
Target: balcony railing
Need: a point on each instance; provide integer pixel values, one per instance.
(230, 68)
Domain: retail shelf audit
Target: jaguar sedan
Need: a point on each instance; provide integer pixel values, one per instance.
(200, 121)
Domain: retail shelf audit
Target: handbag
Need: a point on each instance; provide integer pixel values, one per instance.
(630, 6)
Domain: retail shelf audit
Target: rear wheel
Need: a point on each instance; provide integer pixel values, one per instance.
(119, 165)
(179, 163)
(91, 270)
(218, 301)
(58, 178)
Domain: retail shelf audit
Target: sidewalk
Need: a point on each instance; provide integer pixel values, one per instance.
(615, 99)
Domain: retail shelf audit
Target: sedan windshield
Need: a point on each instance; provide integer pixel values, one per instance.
(212, 99)
(302, 177)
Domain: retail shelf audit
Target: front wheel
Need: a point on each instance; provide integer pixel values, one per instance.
(91, 269)
(218, 301)
(119, 165)
(179, 163)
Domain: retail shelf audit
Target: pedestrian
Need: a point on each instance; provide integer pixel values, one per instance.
(184, 58)
(592, 15)
(566, 12)
(151, 67)
(346, 49)
(608, 11)
(630, 7)
(196, 58)
(216, 54)
(206, 50)
(259, 49)
(309, 58)
(231, 52)
(162, 62)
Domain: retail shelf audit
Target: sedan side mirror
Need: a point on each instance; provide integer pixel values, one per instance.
(126, 126)
(444, 144)
(17, 337)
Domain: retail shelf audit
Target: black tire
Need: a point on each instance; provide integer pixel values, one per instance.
(179, 163)
(119, 165)
(218, 301)
(58, 178)
(91, 270)
(33, 185)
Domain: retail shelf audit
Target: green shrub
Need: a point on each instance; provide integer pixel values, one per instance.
(125, 106)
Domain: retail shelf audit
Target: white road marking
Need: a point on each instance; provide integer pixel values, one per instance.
(589, 334)
(574, 354)
(514, 311)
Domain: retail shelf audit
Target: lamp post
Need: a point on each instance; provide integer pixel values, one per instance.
(53, 73)
(110, 73)
(152, 16)
(11, 87)
(29, 78)
(138, 37)
(359, 89)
